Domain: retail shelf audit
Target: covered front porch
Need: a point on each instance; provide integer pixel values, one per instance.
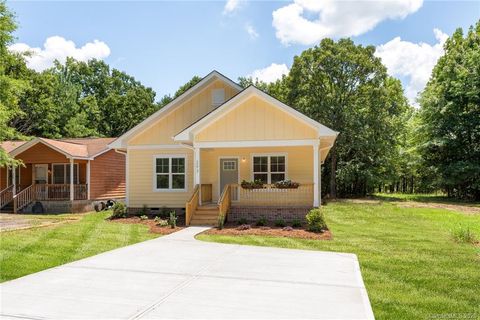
(227, 177)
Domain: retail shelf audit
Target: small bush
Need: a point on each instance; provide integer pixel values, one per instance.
(296, 223)
(261, 222)
(244, 227)
(243, 221)
(316, 221)
(172, 220)
(161, 222)
(463, 234)
(280, 223)
(221, 221)
(119, 210)
(164, 213)
(145, 210)
(144, 217)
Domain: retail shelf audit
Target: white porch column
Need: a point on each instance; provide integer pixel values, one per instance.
(196, 180)
(72, 195)
(316, 193)
(88, 180)
(14, 179)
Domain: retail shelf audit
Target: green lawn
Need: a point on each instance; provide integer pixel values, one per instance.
(27, 251)
(412, 267)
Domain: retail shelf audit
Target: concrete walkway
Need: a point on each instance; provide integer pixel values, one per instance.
(176, 276)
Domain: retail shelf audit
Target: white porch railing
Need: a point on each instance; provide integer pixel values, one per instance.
(269, 195)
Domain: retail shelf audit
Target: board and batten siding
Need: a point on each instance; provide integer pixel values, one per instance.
(107, 176)
(184, 115)
(299, 163)
(141, 179)
(256, 119)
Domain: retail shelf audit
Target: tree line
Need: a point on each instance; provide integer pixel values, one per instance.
(384, 144)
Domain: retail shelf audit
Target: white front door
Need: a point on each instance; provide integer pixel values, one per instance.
(41, 173)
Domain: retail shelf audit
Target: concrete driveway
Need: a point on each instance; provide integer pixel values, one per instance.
(177, 276)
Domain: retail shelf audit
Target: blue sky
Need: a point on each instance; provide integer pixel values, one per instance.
(163, 44)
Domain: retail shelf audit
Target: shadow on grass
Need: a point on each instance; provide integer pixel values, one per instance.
(426, 198)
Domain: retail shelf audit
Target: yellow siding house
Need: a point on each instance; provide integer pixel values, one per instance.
(193, 154)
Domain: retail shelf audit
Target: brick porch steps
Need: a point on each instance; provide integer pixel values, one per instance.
(206, 215)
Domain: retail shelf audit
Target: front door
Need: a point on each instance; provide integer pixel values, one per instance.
(228, 173)
(41, 173)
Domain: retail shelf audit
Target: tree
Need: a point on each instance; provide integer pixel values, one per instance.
(346, 87)
(450, 116)
(12, 83)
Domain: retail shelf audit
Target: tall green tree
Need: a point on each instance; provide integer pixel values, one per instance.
(346, 87)
(12, 82)
(450, 116)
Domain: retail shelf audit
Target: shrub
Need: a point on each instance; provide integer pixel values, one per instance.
(164, 213)
(119, 210)
(316, 221)
(286, 184)
(296, 223)
(221, 221)
(144, 217)
(145, 210)
(463, 234)
(161, 222)
(261, 222)
(243, 221)
(244, 227)
(172, 220)
(280, 223)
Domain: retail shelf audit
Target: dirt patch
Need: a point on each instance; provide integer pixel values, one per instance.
(454, 207)
(152, 225)
(12, 222)
(234, 230)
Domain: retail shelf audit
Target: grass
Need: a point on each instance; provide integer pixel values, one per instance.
(24, 252)
(412, 265)
(423, 197)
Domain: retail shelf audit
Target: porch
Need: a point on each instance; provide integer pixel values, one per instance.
(253, 179)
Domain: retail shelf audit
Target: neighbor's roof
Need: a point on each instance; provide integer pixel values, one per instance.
(74, 147)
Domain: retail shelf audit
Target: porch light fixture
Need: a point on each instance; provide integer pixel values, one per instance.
(243, 159)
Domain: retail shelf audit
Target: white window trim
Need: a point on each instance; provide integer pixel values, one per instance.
(64, 172)
(282, 154)
(229, 161)
(154, 167)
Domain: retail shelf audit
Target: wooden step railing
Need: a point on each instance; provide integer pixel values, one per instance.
(225, 201)
(6, 196)
(192, 205)
(23, 198)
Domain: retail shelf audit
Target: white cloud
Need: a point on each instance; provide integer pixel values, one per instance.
(269, 74)
(412, 61)
(335, 18)
(231, 6)
(251, 31)
(58, 48)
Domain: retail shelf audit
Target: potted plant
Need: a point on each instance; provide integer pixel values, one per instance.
(286, 184)
(256, 184)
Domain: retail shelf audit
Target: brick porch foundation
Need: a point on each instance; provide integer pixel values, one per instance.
(252, 214)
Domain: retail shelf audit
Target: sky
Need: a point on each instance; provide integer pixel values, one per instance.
(163, 44)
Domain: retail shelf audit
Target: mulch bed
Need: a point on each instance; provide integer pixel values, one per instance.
(150, 223)
(233, 230)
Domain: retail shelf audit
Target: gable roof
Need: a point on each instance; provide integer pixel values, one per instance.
(151, 120)
(78, 148)
(229, 105)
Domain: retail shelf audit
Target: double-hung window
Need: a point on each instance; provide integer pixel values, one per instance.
(269, 168)
(61, 173)
(170, 173)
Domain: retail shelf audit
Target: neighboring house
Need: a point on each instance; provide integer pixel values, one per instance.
(65, 175)
(195, 152)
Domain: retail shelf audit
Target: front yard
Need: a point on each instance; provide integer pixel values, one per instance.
(27, 251)
(411, 265)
